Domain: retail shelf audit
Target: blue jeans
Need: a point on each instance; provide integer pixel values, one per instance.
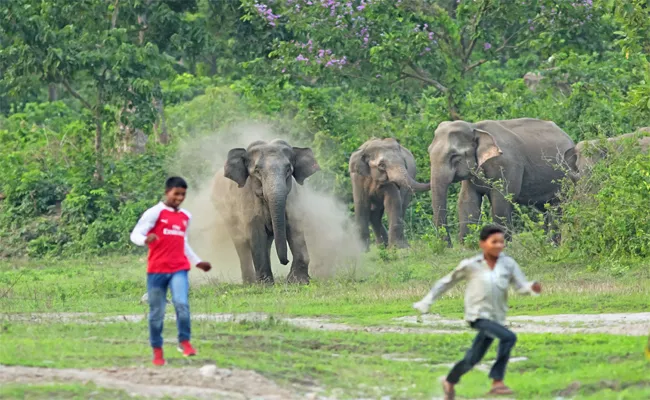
(487, 332)
(157, 285)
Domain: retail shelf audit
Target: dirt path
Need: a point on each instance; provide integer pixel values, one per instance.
(207, 383)
(629, 324)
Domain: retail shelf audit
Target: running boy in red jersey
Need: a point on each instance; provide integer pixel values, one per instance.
(163, 228)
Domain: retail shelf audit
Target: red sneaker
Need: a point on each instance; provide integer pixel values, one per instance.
(186, 348)
(158, 356)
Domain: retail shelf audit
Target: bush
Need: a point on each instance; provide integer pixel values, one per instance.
(606, 212)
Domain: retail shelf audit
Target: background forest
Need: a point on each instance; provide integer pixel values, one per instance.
(98, 96)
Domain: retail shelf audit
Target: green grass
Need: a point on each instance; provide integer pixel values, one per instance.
(115, 285)
(61, 392)
(352, 362)
(607, 366)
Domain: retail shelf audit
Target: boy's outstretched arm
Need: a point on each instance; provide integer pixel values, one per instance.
(441, 287)
(522, 284)
(144, 225)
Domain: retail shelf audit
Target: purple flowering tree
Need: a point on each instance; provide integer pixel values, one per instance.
(427, 45)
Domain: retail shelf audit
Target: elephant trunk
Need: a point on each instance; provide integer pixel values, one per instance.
(403, 179)
(277, 200)
(418, 186)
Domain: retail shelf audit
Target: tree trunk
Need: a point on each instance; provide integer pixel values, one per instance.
(142, 20)
(116, 13)
(213, 65)
(99, 154)
(160, 126)
(52, 92)
(453, 107)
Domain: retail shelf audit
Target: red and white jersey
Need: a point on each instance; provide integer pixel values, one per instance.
(170, 252)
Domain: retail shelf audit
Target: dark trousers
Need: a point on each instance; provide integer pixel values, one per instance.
(487, 332)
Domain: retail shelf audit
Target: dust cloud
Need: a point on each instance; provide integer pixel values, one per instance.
(332, 242)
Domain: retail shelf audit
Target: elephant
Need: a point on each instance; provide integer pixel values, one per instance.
(253, 193)
(520, 151)
(589, 152)
(383, 179)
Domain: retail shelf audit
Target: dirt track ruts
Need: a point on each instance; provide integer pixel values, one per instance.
(628, 324)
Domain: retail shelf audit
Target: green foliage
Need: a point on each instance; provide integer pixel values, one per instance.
(606, 212)
(330, 75)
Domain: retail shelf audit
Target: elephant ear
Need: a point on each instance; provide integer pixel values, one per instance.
(236, 166)
(305, 164)
(570, 159)
(487, 147)
(359, 164)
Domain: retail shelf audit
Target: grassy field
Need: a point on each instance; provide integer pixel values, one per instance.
(346, 364)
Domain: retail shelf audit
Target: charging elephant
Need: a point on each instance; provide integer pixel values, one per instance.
(383, 179)
(589, 152)
(254, 195)
(523, 152)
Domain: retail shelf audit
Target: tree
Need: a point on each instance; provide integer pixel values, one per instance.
(435, 45)
(79, 47)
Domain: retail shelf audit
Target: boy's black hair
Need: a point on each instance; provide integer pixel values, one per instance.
(489, 230)
(175, 182)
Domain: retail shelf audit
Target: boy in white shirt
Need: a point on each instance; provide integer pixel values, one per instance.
(488, 276)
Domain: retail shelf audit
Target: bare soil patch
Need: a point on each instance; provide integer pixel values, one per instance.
(160, 382)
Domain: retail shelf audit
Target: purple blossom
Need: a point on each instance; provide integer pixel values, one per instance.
(427, 49)
(301, 58)
(532, 28)
(430, 35)
(487, 46)
(267, 13)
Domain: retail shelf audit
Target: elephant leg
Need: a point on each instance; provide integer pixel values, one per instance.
(469, 208)
(299, 272)
(501, 211)
(243, 248)
(406, 200)
(393, 206)
(376, 215)
(261, 250)
(245, 261)
(361, 210)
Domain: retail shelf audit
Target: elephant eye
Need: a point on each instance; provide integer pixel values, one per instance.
(382, 165)
(455, 158)
(289, 171)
